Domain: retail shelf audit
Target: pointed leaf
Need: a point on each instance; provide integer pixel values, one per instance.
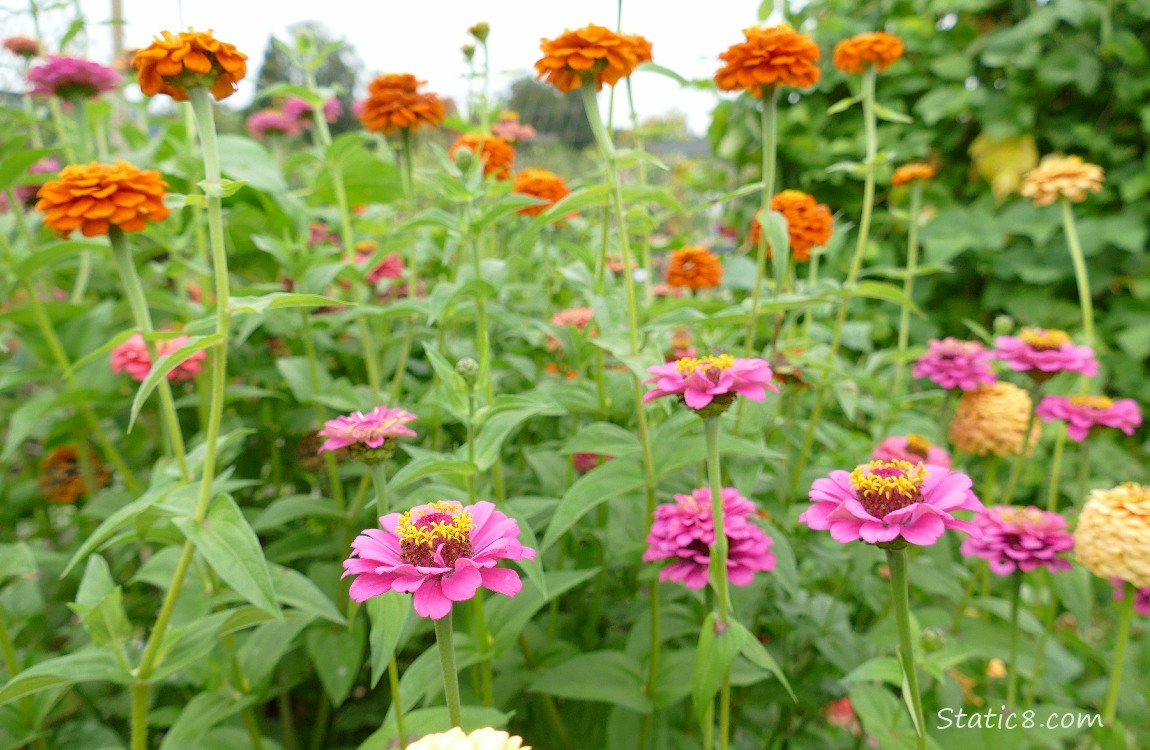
(388, 613)
(713, 658)
(166, 364)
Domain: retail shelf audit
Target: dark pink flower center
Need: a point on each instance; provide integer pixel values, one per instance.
(440, 527)
(883, 487)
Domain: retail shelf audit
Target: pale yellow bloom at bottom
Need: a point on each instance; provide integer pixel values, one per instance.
(1113, 535)
(480, 739)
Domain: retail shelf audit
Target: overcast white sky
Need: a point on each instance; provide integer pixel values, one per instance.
(423, 37)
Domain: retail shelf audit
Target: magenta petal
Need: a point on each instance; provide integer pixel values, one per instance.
(924, 530)
(501, 580)
(430, 602)
(461, 585)
(368, 585)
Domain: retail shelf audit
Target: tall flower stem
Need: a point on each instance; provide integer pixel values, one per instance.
(1012, 665)
(1083, 467)
(1047, 628)
(479, 618)
(412, 270)
(201, 103)
(379, 479)
(33, 122)
(907, 290)
(871, 132)
(1110, 707)
(1022, 455)
(718, 563)
(443, 639)
(134, 290)
(897, 561)
(1055, 472)
(1080, 275)
(645, 241)
(313, 373)
(62, 129)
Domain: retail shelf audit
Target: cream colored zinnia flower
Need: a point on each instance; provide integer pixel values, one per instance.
(1065, 176)
(480, 739)
(992, 419)
(1113, 535)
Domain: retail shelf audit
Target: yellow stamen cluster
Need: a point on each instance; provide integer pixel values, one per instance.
(687, 365)
(1021, 516)
(1044, 339)
(917, 444)
(889, 479)
(1099, 403)
(455, 526)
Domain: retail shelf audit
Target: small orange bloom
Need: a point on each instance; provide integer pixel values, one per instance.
(61, 480)
(809, 222)
(173, 63)
(496, 153)
(590, 50)
(910, 172)
(540, 183)
(394, 102)
(771, 56)
(694, 267)
(876, 48)
(92, 197)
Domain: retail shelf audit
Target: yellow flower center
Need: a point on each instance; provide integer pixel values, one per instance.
(917, 444)
(886, 486)
(1098, 403)
(1021, 516)
(688, 365)
(1044, 340)
(437, 527)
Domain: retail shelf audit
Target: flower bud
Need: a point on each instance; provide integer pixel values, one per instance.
(1003, 325)
(468, 369)
(480, 31)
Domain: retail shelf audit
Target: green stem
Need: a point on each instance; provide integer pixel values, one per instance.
(645, 241)
(1126, 614)
(33, 123)
(284, 709)
(870, 129)
(990, 476)
(80, 109)
(720, 546)
(443, 639)
(1083, 467)
(1012, 665)
(897, 561)
(134, 290)
(412, 269)
(396, 703)
(1079, 260)
(62, 130)
(1022, 455)
(1047, 628)
(907, 290)
(379, 479)
(313, 373)
(1055, 472)
(768, 122)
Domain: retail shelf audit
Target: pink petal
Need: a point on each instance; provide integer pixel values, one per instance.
(461, 585)
(501, 580)
(430, 602)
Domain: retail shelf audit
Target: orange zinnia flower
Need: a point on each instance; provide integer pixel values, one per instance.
(496, 153)
(809, 222)
(1061, 176)
(61, 480)
(543, 184)
(910, 172)
(92, 197)
(694, 267)
(876, 48)
(173, 63)
(590, 50)
(394, 102)
(772, 55)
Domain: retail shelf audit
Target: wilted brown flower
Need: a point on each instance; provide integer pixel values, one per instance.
(771, 55)
(1061, 176)
(174, 63)
(876, 48)
(992, 419)
(61, 480)
(1113, 535)
(91, 197)
(596, 50)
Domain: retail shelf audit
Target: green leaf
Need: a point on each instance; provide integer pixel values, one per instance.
(766, 7)
(337, 656)
(201, 714)
(603, 437)
(366, 177)
(32, 415)
(87, 665)
(388, 613)
(508, 617)
(16, 163)
(756, 653)
(602, 676)
(99, 604)
(16, 560)
(1073, 589)
(242, 158)
(882, 290)
(881, 668)
(292, 508)
(606, 481)
(653, 68)
(266, 646)
(885, 113)
(228, 544)
(48, 254)
(843, 104)
(280, 300)
(166, 364)
(220, 188)
(713, 658)
(497, 421)
(296, 590)
(432, 464)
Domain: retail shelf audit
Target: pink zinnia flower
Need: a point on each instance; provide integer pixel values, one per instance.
(1081, 413)
(1141, 596)
(272, 122)
(391, 267)
(913, 448)
(22, 46)
(956, 364)
(318, 233)
(716, 378)
(684, 531)
(841, 714)
(366, 432)
(132, 357)
(441, 552)
(882, 501)
(72, 77)
(1044, 353)
(513, 131)
(298, 109)
(1014, 538)
(585, 462)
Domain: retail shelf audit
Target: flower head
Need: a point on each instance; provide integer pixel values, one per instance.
(883, 501)
(174, 63)
(956, 364)
(770, 56)
(1113, 529)
(1141, 596)
(1061, 176)
(809, 222)
(72, 78)
(593, 51)
(584, 462)
(391, 267)
(841, 714)
(1081, 413)
(496, 154)
(1014, 538)
(371, 437)
(480, 739)
(694, 267)
(394, 102)
(441, 552)
(684, 531)
(539, 183)
(861, 51)
(22, 46)
(992, 419)
(574, 317)
(61, 479)
(908, 173)
(133, 358)
(1043, 353)
(92, 197)
(703, 380)
(913, 448)
(511, 130)
(272, 122)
